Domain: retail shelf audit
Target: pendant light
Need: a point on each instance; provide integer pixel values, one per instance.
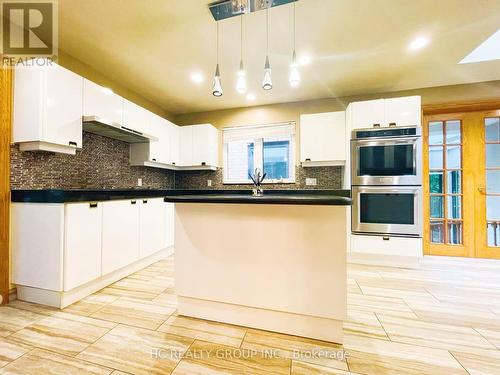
(217, 88)
(241, 80)
(267, 83)
(294, 78)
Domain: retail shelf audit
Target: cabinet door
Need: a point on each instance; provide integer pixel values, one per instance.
(152, 226)
(323, 137)
(135, 117)
(174, 144)
(403, 111)
(120, 234)
(366, 114)
(186, 145)
(169, 211)
(82, 244)
(102, 102)
(63, 107)
(205, 141)
(160, 149)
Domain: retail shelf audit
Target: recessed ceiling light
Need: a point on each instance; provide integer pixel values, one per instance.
(197, 77)
(106, 91)
(250, 97)
(418, 43)
(305, 60)
(486, 51)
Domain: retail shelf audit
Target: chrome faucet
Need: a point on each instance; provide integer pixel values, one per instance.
(257, 179)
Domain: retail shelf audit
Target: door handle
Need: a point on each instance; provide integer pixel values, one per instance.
(481, 189)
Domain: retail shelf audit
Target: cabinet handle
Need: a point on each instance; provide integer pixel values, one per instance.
(154, 159)
(133, 202)
(392, 124)
(173, 163)
(93, 204)
(71, 143)
(144, 201)
(385, 238)
(203, 163)
(376, 125)
(308, 159)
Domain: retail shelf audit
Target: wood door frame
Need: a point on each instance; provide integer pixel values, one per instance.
(466, 249)
(5, 140)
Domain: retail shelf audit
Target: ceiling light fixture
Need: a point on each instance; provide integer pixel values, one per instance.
(267, 83)
(197, 77)
(418, 43)
(294, 70)
(241, 81)
(217, 88)
(250, 97)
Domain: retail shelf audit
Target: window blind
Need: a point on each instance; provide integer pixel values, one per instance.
(258, 131)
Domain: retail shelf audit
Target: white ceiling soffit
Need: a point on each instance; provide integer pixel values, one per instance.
(487, 51)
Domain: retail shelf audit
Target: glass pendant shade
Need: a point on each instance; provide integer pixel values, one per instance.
(294, 72)
(267, 83)
(217, 89)
(241, 80)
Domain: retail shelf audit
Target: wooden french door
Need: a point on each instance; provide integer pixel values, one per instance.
(462, 184)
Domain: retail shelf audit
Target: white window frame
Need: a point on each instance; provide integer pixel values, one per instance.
(258, 154)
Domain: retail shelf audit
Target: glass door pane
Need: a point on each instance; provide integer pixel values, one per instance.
(445, 181)
(492, 191)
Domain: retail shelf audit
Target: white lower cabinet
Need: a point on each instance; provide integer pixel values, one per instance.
(152, 226)
(64, 252)
(120, 234)
(82, 243)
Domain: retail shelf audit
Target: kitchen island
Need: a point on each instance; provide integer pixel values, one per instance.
(276, 262)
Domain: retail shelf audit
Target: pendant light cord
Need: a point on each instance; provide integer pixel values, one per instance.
(241, 38)
(267, 31)
(294, 25)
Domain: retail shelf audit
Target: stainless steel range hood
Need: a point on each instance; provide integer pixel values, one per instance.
(100, 126)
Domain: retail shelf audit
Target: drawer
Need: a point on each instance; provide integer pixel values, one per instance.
(386, 245)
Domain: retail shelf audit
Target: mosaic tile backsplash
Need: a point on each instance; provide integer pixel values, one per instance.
(326, 178)
(102, 163)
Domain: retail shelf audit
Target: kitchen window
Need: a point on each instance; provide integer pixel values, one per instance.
(268, 147)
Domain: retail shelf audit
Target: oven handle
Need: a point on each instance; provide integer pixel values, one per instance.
(383, 189)
(386, 141)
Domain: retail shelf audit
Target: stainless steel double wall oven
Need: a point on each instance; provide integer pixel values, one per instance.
(386, 174)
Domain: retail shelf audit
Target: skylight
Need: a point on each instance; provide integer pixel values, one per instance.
(486, 51)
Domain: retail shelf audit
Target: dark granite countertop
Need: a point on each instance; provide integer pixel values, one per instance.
(298, 197)
(294, 197)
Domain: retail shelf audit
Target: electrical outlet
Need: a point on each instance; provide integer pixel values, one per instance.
(209, 182)
(311, 182)
(139, 182)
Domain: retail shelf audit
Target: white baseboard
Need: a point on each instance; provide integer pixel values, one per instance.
(63, 299)
(278, 321)
(384, 260)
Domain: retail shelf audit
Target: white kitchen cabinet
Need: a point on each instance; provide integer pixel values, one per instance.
(169, 224)
(101, 102)
(367, 113)
(322, 139)
(120, 234)
(135, 117)
(404, 111)
(198, 146)
(152, 226)
(48, 109)
(82, 243)
(173, 135)
(185, 146)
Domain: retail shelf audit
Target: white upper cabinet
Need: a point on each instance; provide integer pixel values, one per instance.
(403, 111)
(173, 134)
(198, 146)
(135, 117)
(48, 109)
(102, 102)
(368, 113)
(322, 139)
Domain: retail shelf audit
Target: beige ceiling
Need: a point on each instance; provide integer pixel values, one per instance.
(357, 47)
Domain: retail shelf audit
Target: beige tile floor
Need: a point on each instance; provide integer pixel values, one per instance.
(443, 318)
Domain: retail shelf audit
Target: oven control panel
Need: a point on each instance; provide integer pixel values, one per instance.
(385, 133)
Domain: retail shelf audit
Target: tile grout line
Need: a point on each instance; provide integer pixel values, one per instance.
(449, 351)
